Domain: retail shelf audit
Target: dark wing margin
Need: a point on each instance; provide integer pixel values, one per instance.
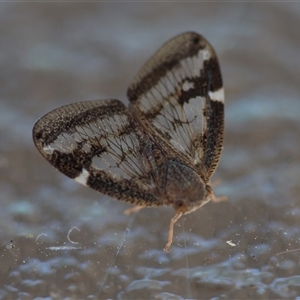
(179, 95)
(98, 144)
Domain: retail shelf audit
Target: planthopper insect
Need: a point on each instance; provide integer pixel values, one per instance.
(163, 149)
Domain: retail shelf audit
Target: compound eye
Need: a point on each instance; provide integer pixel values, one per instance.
(179, 203)
(180, 206)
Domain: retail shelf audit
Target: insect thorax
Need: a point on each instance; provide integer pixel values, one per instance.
(181, 186)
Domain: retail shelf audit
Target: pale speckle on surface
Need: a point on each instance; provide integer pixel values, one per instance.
(231, 243)
(93, 51)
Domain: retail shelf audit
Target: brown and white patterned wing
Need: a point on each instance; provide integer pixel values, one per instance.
(178, 94)
(98, 144)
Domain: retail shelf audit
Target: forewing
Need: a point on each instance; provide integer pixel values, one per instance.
(98, 144)
(178, 94)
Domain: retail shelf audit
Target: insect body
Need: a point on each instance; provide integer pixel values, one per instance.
(164, 149)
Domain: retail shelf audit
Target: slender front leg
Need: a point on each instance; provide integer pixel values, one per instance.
(134, 209)
(171, 230)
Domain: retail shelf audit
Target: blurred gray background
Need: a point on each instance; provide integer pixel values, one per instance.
(59, 239)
